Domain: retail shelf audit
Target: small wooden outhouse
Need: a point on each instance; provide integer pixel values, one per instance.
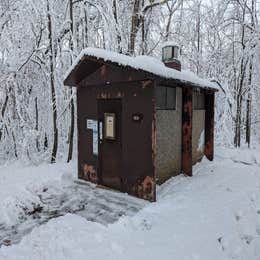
(140, 120)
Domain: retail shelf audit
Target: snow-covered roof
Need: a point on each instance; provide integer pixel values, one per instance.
(170, 43)
(144, 63)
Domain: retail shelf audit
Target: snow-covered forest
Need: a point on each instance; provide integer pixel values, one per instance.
(50, 210)
(39, 40)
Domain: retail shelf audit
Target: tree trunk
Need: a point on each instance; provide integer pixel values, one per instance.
(15, 147)
(45, 144)
(72, 126)
(53, 94)
(198, 40)
(2, 115)
(134, 26)
(248, 121)
(237, 138)
(167, 31)
(249, 99)
(72, 108)
(118, 36)
(138, 19)
(85, 39)
(37, 123)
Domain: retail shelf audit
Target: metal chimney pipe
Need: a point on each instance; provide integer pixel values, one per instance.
(170, 53)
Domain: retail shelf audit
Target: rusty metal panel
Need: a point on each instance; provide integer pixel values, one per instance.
(186, 162)
(138, 139)
(89, 173)
(209, 125)
(87, 161)
(137, 174)
(144, 188)
(174, 65)
(98, 80)
(110, 150)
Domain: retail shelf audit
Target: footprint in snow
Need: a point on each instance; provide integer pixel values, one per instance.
(238, 215)
(220, 242)
(247, 238)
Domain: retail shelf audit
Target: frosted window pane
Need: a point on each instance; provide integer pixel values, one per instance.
(167, 53)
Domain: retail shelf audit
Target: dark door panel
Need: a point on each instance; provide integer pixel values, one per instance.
(110, 146)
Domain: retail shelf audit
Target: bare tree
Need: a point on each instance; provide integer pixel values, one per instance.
(72, 106)
(52, 83)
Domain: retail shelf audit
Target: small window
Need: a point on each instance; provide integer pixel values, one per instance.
(198, 100)
(167, 53)
(165, 98)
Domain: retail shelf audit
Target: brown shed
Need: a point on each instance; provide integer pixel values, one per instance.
(140, 121)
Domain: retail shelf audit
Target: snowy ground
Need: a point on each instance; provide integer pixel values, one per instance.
(28, 202)
(214, 215)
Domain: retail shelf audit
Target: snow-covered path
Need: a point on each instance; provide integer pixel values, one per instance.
(59, 198)
(214, 215)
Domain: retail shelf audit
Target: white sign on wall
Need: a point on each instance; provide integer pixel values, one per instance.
(93, 125)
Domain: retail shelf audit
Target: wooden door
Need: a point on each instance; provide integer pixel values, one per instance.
(110, 142)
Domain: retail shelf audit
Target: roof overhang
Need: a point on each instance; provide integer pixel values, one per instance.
(85, 66)
(92, 59)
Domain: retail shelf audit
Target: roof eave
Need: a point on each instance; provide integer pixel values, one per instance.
(71, 80)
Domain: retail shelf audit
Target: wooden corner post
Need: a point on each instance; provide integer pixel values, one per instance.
(186, 160)
(209, 125)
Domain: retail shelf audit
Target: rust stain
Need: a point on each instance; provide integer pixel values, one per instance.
(104, 95)
(89, 173)
(110, 95)
(174, 65)
(209, 126)
(153, 139)
(120, 94)
(103, 72)
(187, 132)
(144, 188)
(148, 189)
(146, 83)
